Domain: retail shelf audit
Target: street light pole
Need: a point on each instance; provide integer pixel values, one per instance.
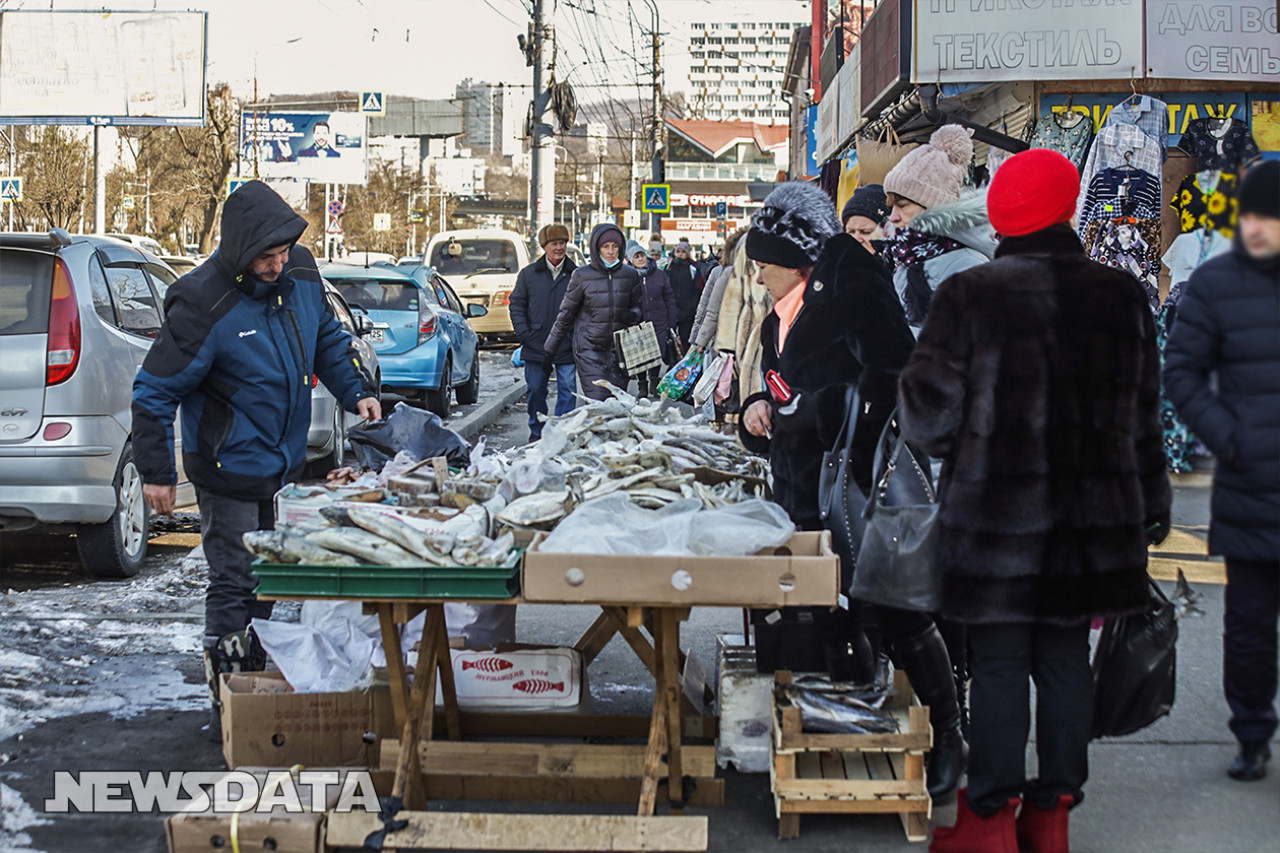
(657, 108)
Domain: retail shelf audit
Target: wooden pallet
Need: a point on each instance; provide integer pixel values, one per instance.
(852, 774)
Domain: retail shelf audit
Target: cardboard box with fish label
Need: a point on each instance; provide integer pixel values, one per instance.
(518, 679)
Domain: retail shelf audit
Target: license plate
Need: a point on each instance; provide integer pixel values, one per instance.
(375, 336)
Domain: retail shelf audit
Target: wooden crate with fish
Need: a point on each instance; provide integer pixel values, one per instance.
(877, 771)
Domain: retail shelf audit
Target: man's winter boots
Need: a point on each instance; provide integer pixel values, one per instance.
(238, 651)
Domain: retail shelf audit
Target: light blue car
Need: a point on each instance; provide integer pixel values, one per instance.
(421, 331)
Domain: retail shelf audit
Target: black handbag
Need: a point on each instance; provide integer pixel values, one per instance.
(897, 561)
(1135, 668)
(840, 499)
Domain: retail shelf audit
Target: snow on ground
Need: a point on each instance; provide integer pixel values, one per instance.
(16, 816)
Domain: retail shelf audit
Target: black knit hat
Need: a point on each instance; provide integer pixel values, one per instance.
(790, 230)
(868, 201)
(1260, 190)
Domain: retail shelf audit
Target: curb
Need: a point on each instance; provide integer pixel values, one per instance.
(471, 424)
(1192, 480)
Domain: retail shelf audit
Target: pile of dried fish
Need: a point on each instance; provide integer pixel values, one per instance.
(367, 536)
(837, 708)
(646, 449)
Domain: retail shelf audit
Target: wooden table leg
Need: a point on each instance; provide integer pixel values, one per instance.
(452, 719)
(595, 638)
(420, 718)
(396, 675)
(657, 744)
(667, 649)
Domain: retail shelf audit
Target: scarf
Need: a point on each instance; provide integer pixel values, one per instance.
(910, 249)
(787, 308)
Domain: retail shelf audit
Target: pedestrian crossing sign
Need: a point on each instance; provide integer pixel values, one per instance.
(373, 103)
(234, 184)
(656, 198)
(10, 189)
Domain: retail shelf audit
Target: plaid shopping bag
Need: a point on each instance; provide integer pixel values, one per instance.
(637, 348)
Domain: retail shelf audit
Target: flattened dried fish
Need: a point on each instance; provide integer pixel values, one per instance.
(277, 546)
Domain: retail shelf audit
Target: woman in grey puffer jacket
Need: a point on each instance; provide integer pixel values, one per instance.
(604, 296)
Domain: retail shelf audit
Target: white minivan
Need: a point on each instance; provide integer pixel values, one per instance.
(482, 265)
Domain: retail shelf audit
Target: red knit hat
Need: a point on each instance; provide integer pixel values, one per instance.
(1031, 191)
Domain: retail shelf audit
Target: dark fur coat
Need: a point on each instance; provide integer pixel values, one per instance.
(851, 331)
(1037, 380)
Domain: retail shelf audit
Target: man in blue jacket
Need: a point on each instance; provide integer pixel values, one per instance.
(535, 302)
(242, 337)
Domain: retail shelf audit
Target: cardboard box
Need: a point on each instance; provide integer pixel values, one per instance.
(265, 723)
(283, 833)
(805, 571)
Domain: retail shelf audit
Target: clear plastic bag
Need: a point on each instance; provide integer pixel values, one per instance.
(614, 525)
(336, 661)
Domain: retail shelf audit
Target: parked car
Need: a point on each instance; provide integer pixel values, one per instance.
(421, 331)
(77, 316)
(181, 264)
(482, 264)
(362, 259)
(326, 439)
(149, 243)
(575, 255)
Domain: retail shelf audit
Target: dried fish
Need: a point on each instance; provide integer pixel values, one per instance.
(369, 547)
(279, 546)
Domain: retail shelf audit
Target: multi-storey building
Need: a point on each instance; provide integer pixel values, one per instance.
(737, 65)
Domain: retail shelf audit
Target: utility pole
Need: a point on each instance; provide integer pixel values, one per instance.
(658, 172)
(99, 184)
(540, 51)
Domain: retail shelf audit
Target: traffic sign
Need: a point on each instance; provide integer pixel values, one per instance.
(11, 188)
(333, 228)
(722, 209)
(234, 184)
(127, 202)
(373, 103)
(335, 208)
(655, 198)
(630, 219)
(417, 215)
(382, 222)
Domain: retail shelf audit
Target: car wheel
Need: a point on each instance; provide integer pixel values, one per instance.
(336, 457)
(117, 547)
(470, 392)
(440, 400)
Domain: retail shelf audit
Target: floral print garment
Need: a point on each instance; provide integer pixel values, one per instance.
(1214, 210)
(1071, 142)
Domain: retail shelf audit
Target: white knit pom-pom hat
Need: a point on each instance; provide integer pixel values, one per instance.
(933, 174)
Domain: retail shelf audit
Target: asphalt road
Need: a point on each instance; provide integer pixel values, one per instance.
(106, 675)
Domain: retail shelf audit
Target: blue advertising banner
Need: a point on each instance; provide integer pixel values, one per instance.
(811, 167)
(320, 147)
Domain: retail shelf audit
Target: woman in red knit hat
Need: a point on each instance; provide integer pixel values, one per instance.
(1036, 380)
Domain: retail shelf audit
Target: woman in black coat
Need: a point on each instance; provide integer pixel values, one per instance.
(1036, 380)
(602, 298)
(836, 324)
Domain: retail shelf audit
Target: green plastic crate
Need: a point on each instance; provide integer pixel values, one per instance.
(387, 581)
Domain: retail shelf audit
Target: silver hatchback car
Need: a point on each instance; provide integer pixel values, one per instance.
(77, 316)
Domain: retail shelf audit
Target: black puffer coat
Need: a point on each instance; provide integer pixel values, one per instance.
(686, 281)
(1037, 381)
(1229, 325)
(851, 330)
(598, 303)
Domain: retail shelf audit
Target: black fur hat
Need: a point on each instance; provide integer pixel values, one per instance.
(790, 230)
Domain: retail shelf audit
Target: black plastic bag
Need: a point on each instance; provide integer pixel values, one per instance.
(420, 432)
(1135, 668)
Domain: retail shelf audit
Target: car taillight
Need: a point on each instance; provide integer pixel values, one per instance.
(57, 430)
(426, 326)
(63, 348)
(501, 297)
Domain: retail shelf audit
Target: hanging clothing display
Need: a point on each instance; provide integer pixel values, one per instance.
(1069, 133)
(1207, 200)
(1221, 144)
(1130, 244)
(1120, 145)
(1148, 114)
(1120, 192)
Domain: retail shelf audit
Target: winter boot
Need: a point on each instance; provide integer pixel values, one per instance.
(238, 651)
(973, 834)
(1044, 831)
(924, 658)
(1251, 764)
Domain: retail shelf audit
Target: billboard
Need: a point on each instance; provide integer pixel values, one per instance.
(328, 148)
(126, 68)
(1225, 41)
(980, 41)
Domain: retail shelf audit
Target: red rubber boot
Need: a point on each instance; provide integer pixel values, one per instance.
(973, 834)
(1041, 831)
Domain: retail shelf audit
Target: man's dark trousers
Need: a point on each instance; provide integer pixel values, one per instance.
(1249, 647)
(230, 604)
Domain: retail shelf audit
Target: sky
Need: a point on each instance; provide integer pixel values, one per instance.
(423, 48)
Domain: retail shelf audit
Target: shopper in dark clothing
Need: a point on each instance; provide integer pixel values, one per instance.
(1228, 329)
(535, 303)
(242, 337)
(836, 323)
(602, 298)
(659, 308)
(687, 283)
(1037, 381)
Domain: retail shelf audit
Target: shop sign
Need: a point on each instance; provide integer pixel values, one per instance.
(849, 86)
(825, 131)
(811, 165)
(708, 200)
(886, 53)
(1213, 41)
(979, 41)
(697, 226)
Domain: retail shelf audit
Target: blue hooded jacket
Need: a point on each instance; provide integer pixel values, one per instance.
(237, 354)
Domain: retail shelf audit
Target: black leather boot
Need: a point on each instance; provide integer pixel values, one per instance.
(238, 651)
(1251, 764)
(924, 658)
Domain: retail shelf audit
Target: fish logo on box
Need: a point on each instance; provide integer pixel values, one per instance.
(488, 665)
(535, 686)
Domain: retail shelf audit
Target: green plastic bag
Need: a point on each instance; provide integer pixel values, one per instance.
(679, 381)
